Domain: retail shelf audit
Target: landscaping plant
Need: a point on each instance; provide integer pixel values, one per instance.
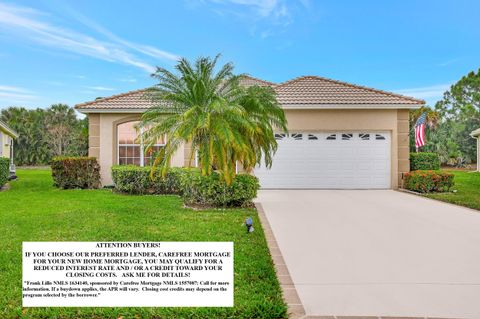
(429, 181)
(138, 180)
(4, 170)
(75, 172)
(224, 122)
(424, 161)
(195, 189)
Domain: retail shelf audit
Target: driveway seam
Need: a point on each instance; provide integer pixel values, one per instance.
(289, 292)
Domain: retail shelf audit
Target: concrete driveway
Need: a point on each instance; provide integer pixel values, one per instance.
(377, 253)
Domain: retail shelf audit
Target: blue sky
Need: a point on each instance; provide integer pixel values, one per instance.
(74, 51)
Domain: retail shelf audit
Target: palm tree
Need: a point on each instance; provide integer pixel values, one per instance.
(224, 122)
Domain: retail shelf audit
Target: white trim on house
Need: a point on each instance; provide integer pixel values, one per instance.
(119, 110)
(8, 130)
(349, 106)
(284, 106)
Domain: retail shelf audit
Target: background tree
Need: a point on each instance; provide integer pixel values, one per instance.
(61, 123)
(46, 133)
(449, 124)
(224, 122)
(460, 111)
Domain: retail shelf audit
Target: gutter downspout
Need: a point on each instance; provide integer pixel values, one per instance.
(12, 165)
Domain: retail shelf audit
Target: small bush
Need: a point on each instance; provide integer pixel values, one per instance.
(195, 189)
(212, 190)
(4, 170)
(76, 172)
(136, 180)
(429, 181)
(424, 161)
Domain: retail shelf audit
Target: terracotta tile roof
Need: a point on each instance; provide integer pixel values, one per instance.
(128, 100)
(302, 91)
(315, 90)
(250, 81)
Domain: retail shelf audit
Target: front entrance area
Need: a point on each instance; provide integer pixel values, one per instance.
(329, 160)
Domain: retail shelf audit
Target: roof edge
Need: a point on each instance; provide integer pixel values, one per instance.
(350, 106)
(8, 129)
(475, 133)
(284, 106)
(417, 101)
(260, 80)
(81, 105)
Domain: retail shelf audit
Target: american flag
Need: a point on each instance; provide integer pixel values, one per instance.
(420, 131)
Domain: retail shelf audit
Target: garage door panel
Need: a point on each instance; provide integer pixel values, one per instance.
(317, 160)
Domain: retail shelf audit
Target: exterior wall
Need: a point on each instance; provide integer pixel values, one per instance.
(403, 128)
(4, 144)
(94, 135)
(103, 141)
(354, 120)
(103, 134)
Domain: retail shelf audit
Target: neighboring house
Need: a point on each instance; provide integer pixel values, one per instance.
(7, 135)
(476, 134)
(341, 135)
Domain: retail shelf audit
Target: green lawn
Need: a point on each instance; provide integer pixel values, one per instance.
(32, 210)
(467, 185)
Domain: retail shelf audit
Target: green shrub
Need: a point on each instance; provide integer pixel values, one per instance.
(195, 189)
(424, 161)
(133, 179)
(4, 170)
(212, 190)
(429, 181)
(76, 172)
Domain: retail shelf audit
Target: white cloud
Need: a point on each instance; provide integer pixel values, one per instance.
(24, 22)
(426, 92)
(431, 94)
(145, 49)
(130, 80)
(13, 94)
(448, 62)
(13, 89)
(273, 12)
(100, 88)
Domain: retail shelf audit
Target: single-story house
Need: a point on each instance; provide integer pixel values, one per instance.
(476, 134)
(341, 135)
(7, 135)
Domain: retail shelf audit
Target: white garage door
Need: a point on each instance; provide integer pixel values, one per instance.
(343, 160)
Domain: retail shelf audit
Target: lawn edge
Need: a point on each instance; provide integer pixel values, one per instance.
(289, 292)
(405, 191)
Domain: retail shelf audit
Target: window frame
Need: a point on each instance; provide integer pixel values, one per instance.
(141, 144)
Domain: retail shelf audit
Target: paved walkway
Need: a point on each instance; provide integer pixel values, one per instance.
(377, 253)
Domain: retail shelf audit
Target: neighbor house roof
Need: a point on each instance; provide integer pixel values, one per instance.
(5, 128)
(301, 92)
(475, 133)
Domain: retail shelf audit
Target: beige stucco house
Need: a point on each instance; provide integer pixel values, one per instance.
(476, 134)
(341, 135)
(7, 135)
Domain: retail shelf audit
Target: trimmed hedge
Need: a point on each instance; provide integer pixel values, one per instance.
(196, 190)
(424, 161)
(76, 172)
(429, 181)
(212, 191)
(136, 180)
(4, 170)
